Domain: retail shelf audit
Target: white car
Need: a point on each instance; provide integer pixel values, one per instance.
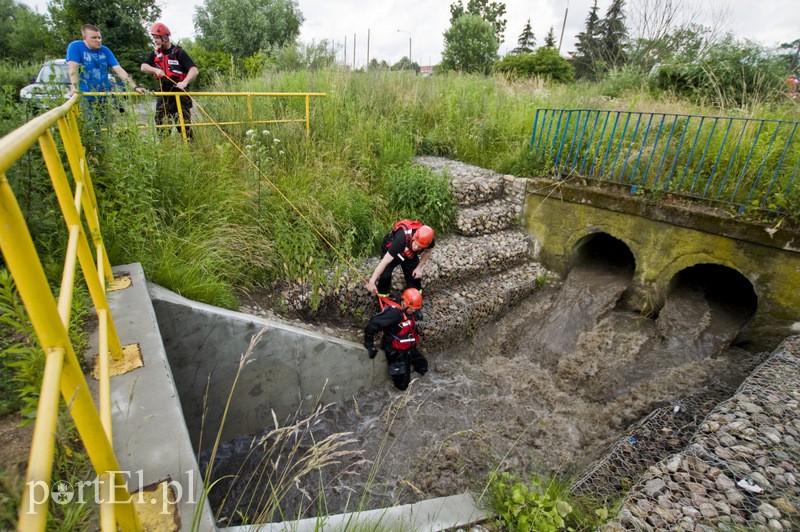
(50, 87)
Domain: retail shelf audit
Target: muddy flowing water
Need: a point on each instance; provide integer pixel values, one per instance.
(546, 389)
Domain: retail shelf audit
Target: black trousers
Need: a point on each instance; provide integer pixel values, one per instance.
(167, 113)
(384, 284)
(401, 364)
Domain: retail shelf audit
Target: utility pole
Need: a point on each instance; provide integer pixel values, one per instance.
(354, 52)
(367, 67)
(409, 43)
(564, 25)
(345, 51)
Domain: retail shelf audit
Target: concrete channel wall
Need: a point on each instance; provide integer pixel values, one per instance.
(289, 371)
(188, 347)
(150, 439)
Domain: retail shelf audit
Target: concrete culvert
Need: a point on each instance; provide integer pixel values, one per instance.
(720, 285)
(604, 250)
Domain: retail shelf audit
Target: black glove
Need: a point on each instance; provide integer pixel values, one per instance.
(373, 352)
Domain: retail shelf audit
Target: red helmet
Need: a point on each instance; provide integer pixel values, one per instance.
(413, 298)
(159, 29)
(423, 236)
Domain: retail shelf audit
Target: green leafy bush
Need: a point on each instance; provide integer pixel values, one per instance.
(423, 195)
(12, 78)
(544, 62)
(628, 79)
(522, 507)
(539, 506)
(732, 73)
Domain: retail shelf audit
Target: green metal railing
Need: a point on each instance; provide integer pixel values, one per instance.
(744, 162)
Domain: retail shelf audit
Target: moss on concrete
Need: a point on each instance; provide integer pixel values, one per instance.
(662, 248)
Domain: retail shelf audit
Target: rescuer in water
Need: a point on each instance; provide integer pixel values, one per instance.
(400, 337)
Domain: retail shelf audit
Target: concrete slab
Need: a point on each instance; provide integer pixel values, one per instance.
(289, 371)
(443, 513)
(150, 436)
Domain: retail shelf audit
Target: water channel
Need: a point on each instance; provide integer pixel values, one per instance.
(546, 389)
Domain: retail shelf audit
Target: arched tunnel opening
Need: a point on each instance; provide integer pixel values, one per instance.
(602, 249)
(723, 287)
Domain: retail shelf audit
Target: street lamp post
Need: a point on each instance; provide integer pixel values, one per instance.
(409, 43)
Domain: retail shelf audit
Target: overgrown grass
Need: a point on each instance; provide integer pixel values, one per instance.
(212, 219)
(22, 363)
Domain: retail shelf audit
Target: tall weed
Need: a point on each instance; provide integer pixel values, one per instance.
(211, 219)
(22, 359)
(22, 363)
(421, 194)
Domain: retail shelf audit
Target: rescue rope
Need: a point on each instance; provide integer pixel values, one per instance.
(280, 193)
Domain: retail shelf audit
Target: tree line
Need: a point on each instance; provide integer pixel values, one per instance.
(654, 43)
(656, 40)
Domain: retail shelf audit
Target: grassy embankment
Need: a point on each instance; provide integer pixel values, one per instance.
(205, 223)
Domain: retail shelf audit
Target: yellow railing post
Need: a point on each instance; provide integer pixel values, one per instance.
(70, 135)
(308, 116)
(33, 508)
(22, 261)
(180, 118)
(72, 217)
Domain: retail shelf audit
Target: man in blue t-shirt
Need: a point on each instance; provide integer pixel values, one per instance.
(89, 62)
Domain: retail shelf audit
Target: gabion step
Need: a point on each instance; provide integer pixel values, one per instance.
(454, 259)
(496, 215)
(470, 185)
(453, 313)
(457, 258)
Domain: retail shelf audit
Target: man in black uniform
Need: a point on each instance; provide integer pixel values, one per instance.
(174, 69)
(408, 245)
(400, 337)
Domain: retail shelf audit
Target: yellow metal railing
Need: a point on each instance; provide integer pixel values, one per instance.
(63, 376)
(50, 319)
(306, 120)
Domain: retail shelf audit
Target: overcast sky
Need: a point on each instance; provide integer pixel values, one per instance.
(424, 21)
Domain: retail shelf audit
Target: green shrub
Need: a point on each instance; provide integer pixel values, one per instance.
(732, 73)
(12, 78)
(540, 506)
(628, 79)
(545, 62)
(420, 194)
